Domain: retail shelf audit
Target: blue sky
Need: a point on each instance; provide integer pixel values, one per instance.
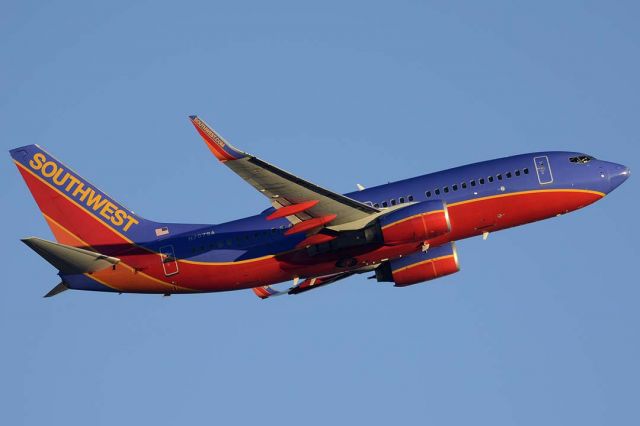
(539, 327)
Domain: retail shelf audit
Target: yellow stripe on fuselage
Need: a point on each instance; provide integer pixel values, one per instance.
(411, 217)
(533, 191)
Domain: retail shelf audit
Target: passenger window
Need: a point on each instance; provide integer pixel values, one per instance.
(499, 176)
(410, 197)
(508, 175)
(376, 205)
(446, 189)
(437, 191)
(464, 185)
(490, 178)
(393, 201)
(229, 242)
(481, 181)
(428, 194)
(384, 204)
(517, 172)
(401, 200)
(473, 183)
(526, 171)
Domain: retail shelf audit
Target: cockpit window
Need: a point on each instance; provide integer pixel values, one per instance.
(581, 159)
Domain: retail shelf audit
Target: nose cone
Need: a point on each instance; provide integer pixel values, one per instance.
(617, 175)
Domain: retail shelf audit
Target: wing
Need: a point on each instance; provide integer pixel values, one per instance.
(306, 205)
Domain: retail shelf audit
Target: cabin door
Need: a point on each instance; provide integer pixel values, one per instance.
(543, 169)
(169, 262)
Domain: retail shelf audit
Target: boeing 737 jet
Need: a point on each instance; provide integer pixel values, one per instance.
(402, 232)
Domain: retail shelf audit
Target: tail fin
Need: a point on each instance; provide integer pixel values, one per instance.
(78, 213)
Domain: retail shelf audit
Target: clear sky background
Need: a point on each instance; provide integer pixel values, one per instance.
(539, 327)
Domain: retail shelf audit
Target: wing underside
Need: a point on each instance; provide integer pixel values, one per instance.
(284, 189)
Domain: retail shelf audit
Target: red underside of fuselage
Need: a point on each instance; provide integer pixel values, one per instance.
(142, 271)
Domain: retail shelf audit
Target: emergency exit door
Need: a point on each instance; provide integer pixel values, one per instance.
(543, 169)
(169, 262)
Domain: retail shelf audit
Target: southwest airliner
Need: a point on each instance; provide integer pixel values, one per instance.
(402, 232)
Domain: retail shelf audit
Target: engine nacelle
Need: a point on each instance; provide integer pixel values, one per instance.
(417, 222)
(418, 267)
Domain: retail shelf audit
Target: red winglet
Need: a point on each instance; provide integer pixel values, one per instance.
(216, 144)
(292, 209)
(261, 292)
(310, 224)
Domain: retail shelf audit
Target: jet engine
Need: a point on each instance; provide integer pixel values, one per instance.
(417, 222)
(418, 267)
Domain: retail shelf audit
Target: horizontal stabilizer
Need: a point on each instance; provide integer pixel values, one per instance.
(57, 290)
(70, 260)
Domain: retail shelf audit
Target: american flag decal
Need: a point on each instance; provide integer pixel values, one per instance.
(162, 231)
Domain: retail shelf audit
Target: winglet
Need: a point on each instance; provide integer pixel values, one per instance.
(222, 149)
(267, 291)
(57, 290)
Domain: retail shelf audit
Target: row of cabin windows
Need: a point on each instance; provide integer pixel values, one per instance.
(235, 241)
(393, 202)
(475, 182)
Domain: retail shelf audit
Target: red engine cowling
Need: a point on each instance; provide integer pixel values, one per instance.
(419, 267)
(417, 222)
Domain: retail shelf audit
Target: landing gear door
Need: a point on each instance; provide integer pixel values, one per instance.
(168, 259)
(543, 169)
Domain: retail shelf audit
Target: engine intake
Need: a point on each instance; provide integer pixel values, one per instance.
(419, 267)
(417, 222)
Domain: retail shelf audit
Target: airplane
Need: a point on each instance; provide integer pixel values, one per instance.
(402, 232)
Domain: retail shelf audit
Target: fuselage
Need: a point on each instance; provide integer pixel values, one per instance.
(483, 197)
